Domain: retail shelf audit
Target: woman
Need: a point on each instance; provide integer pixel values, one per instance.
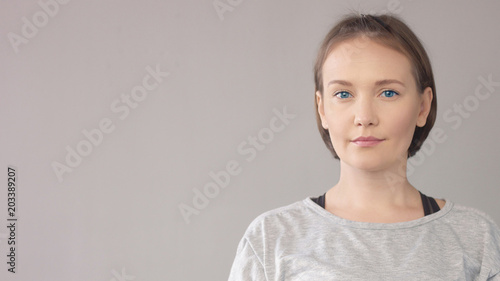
(375, 104)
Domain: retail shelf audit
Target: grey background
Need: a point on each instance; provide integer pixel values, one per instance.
(118, 211)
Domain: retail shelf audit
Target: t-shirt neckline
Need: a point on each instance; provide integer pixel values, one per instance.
(372, 225)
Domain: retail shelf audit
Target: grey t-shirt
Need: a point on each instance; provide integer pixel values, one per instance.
(303, 241)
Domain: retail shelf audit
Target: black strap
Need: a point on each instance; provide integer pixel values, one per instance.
(320, 200)
(429, 203)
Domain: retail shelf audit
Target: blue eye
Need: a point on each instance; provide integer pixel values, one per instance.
(342, 94)
(390, 93)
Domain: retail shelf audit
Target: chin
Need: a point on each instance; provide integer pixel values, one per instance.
(369, 164)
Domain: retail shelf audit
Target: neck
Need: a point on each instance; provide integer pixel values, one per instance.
(381, 190)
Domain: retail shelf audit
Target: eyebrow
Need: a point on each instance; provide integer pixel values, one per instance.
(377, 83)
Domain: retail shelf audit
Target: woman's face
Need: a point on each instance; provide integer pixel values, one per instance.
(369, 90)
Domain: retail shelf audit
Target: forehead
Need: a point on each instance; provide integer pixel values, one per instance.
(364, 60)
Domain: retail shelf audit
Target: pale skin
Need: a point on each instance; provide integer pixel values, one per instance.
(370, 91)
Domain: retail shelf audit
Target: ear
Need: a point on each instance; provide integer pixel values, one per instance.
(321, 110)
(425, 106)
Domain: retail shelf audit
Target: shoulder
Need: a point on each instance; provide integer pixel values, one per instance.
(470, 222)
(484, 234)
(476, 231)
(281, 220)
(468, 216)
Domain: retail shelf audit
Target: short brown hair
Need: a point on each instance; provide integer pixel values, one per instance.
(393, 33)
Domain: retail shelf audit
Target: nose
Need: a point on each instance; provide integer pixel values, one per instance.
(365, 113)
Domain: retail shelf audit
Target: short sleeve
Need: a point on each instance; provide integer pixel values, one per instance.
(247, 265)
(493, 246)
(491, 250)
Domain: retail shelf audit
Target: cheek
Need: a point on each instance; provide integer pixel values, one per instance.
(403, 126)
(338, 125)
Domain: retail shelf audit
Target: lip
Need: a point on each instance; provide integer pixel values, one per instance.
(367, 141)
